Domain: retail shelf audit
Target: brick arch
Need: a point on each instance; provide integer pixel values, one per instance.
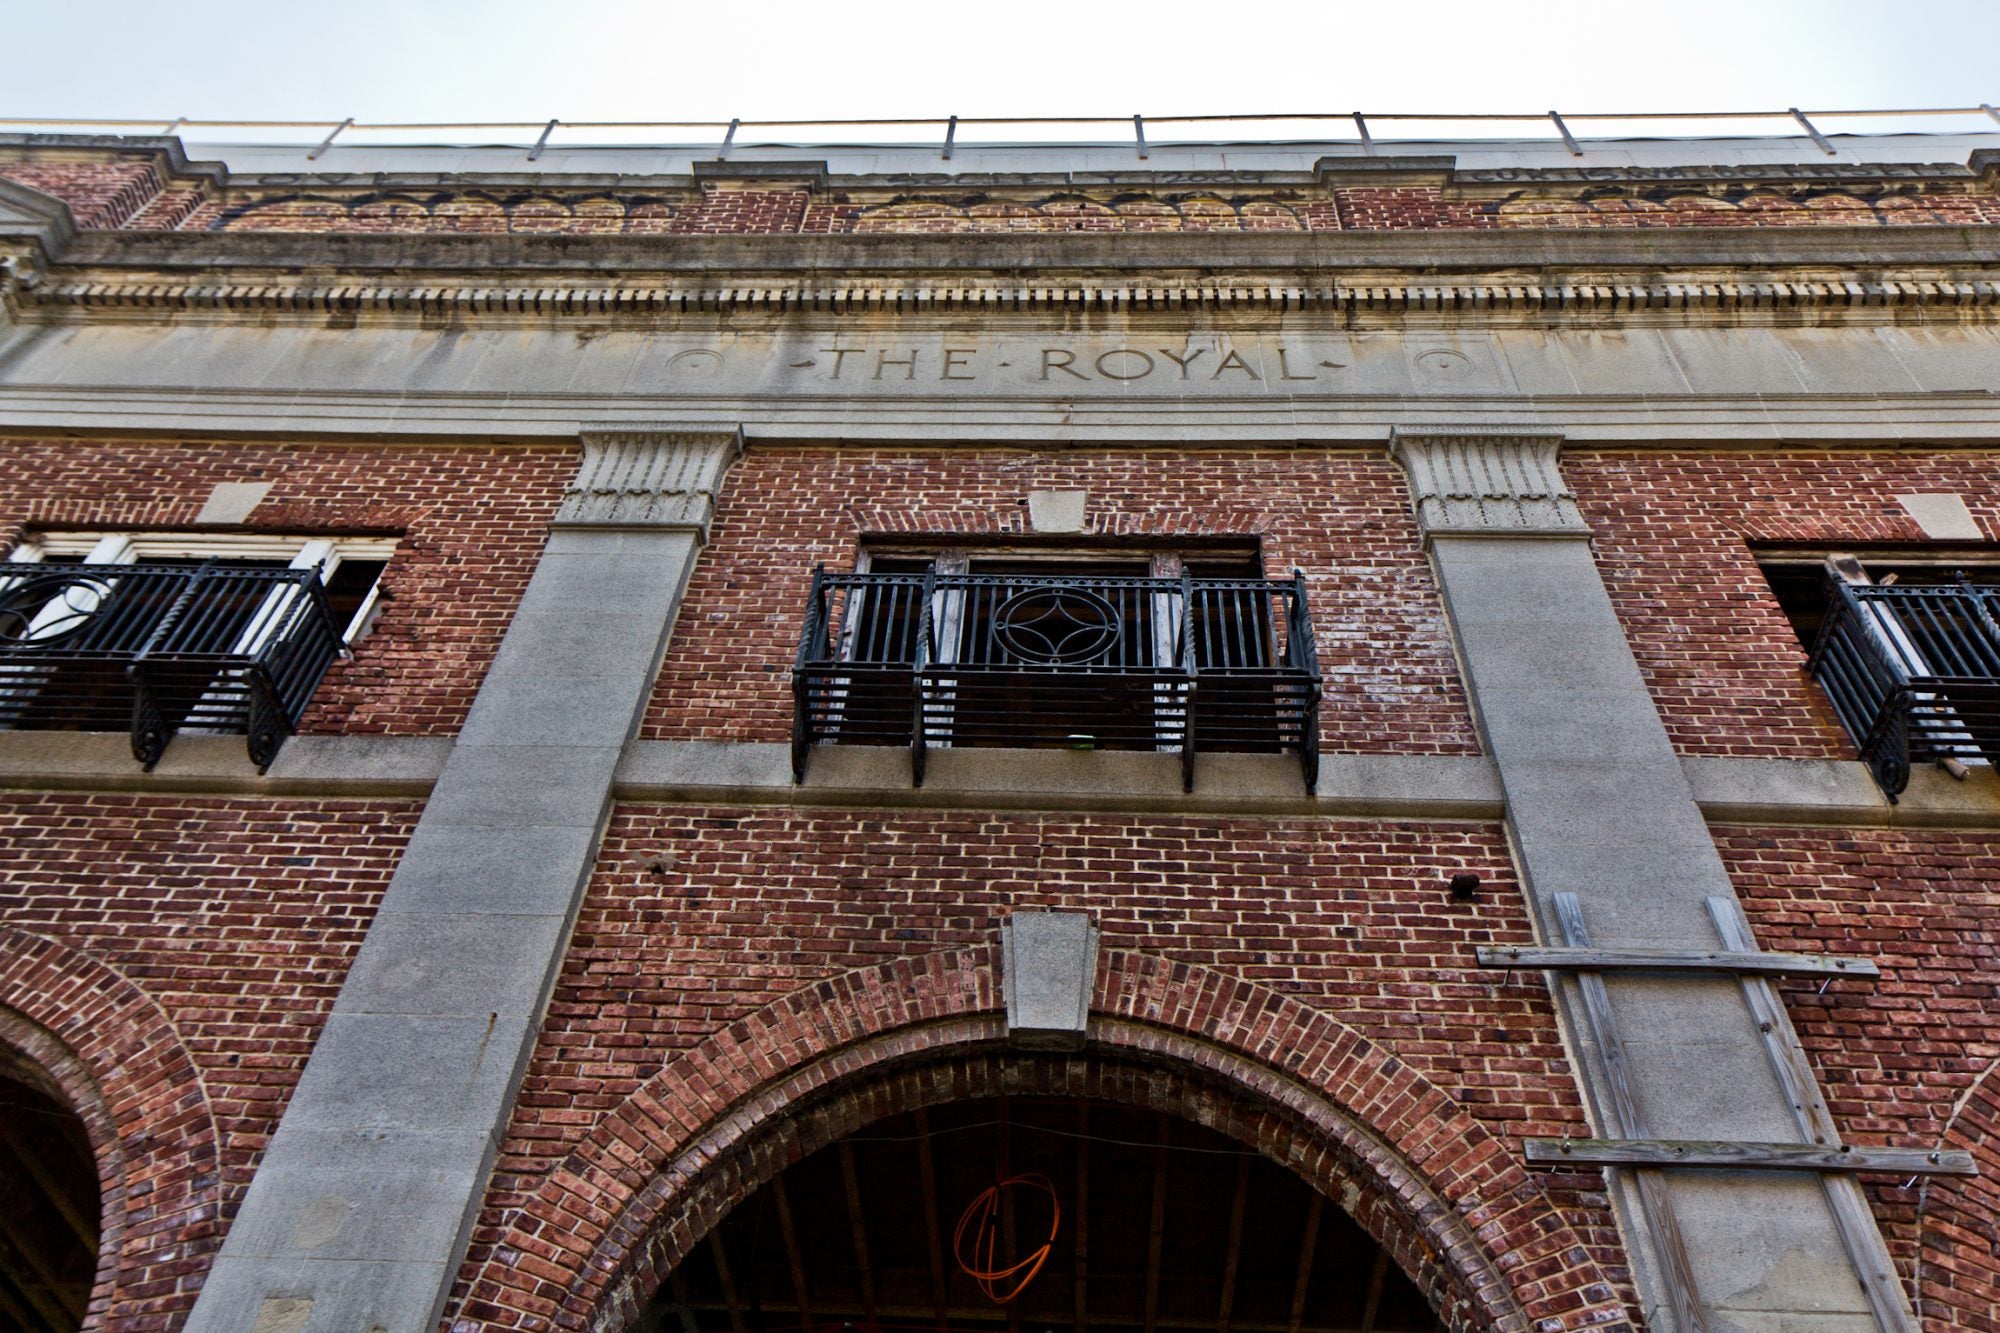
(1957, 1277)
(1449, 1200)
(106, 1049)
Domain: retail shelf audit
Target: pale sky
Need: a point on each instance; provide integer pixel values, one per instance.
(623, 59)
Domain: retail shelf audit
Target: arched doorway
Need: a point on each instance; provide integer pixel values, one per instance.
(49, 1207)
(1142, 1221)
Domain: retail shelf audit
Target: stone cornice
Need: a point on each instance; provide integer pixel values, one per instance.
(1821, 792)
(1041, 253)
(28, 214)
(165, 151)
(1804, 275)
(1862, 298)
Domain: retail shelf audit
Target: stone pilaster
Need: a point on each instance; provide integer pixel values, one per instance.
(1598, 808)
(360, 1215)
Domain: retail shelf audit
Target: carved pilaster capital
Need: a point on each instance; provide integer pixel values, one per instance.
(648, 477)
(1487, 483)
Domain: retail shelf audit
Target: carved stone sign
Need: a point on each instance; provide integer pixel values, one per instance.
(966, 360)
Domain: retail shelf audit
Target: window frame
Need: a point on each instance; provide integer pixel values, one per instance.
(1864, 566)
(298, 550)
(1258, 671)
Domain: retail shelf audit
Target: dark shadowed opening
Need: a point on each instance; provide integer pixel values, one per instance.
(48, 1212)
(1150, 1222)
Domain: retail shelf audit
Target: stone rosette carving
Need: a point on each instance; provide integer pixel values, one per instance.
(649, 478)
(1487, 483)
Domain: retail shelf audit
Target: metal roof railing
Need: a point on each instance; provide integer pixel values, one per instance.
(1355, 126)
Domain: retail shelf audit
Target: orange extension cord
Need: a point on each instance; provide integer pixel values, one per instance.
(982, 1217)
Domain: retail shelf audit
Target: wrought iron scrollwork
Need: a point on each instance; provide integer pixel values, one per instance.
(1070, 661)
(43, 609)
(1057, 626)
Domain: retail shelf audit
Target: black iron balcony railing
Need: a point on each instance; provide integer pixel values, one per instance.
(1074, 662)
(162, 649)
(1914, 673)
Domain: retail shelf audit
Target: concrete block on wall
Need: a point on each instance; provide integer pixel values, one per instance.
(1048, 965)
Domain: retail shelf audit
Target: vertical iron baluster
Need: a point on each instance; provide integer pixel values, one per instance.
(919, 687)
(1193, 682)
(812, 643)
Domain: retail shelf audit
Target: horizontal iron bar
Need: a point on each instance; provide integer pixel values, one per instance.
(1675, 960)
(1749, 1156)
(1783, 113)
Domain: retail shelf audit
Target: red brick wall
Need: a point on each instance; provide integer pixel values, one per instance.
(101, 195)
(1670, 534)
(116, 193)
(472, 522)
(238, 917)
(1910, 1060)
(1640, 206)
(696, 918)
(1391, 682)
(963, 211)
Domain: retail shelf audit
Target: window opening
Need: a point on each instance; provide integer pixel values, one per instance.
(49, 1196)
(1908, 651)
(1057, 649)
(170, 633)
(1139, 1220)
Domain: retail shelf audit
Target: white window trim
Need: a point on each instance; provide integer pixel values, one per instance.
(298, 550)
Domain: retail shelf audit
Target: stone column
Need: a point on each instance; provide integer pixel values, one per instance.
(360, 1214)
(1598, 807)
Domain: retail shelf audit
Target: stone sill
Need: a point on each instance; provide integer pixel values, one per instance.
(1787, 792)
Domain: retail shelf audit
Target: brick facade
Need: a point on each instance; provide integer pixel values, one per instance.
(749, 981)
(184, 952)
(1912, 1058)
(1673, 533)
(696, 920)
(1383, 647)
(112, 192)
(459, 566)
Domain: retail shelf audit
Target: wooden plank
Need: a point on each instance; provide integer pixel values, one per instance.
(1081, 1209)
(682, 1310)
(1308, 1243)
(17, 1316)
(980, 1316)
(41, 1288)
(800, 1291)
(52, 1190)
(1157, 1229)
(1676, 960)
(928, 1170)
(1004, 1153)
(1376, 1276)
(1622, 1111)
(1233, 1252)
(729, 1297)
(1749, 1156)
(1852, 1216)
(858, 1227)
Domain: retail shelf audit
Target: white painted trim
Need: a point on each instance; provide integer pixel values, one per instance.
(221, 546)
